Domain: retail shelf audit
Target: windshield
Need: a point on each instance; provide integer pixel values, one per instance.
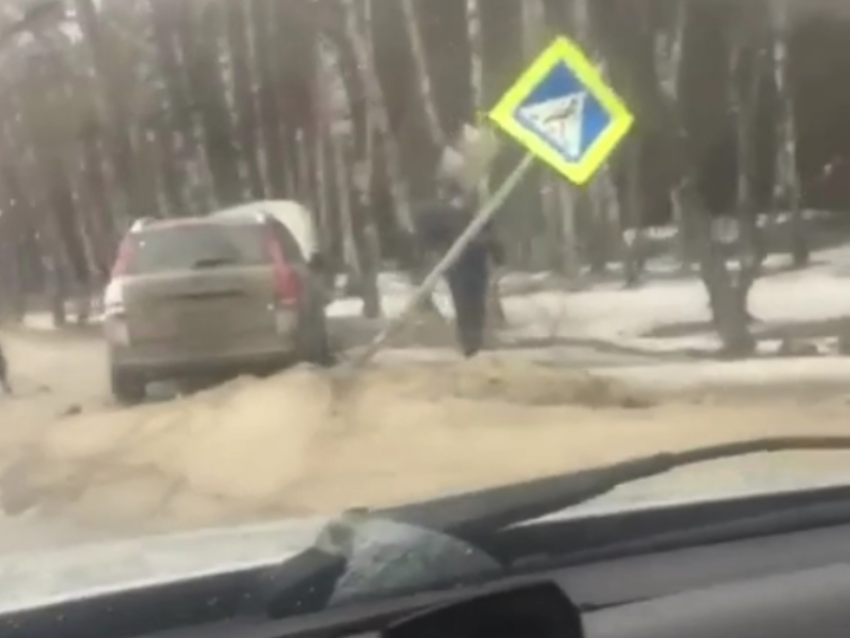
(175, 248)
(659, 258)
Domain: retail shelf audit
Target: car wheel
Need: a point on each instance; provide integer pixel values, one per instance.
(127, 388)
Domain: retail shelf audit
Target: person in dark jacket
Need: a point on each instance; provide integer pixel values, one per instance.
(439, 223)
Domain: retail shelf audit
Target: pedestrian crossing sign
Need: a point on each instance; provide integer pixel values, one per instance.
(562, 111)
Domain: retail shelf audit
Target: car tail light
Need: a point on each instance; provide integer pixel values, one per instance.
(122, 260)
(287, 284)
(114, 317)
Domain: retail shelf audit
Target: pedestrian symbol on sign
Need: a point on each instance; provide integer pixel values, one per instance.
(560, 119)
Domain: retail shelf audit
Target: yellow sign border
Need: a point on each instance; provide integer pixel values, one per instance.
(564, 51)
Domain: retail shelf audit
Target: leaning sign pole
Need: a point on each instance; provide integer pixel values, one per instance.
(564, 114)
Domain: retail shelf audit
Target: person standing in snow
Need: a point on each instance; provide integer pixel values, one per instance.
(438, 225)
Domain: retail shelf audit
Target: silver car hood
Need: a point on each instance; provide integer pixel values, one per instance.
(86, 570)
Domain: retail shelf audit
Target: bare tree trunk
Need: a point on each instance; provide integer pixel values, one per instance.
(420, 61)
(399, 191)
(179, 115)
(363, 216)
(633, 259)
(728, 294)
(335, 107)
(200, 34)
(95, 184)
(728, 304)
(243, 86)
(279, 109)
(475, 35)
(351, 252)
(323, 212)
(496, 317)
(787, 179)
(570, 199)
(727, 297)
(684, 232)
(114, 116)
(13, 227)
(381, 122)
(618, 208)
(557, 204)
(305, 188)
(669, 49)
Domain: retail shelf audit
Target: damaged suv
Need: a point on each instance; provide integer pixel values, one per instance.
(210, 295)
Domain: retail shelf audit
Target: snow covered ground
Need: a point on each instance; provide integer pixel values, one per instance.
(607, 312)
(548, 321)
(409, 436)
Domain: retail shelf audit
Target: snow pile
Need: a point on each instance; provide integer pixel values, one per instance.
(257, 446)
(520, 381)
(295, 445)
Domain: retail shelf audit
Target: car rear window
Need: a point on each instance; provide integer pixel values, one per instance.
(190, 247)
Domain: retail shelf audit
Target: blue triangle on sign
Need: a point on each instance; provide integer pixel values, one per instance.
(561, 82)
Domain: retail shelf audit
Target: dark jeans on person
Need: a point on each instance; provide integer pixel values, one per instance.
(468, 285)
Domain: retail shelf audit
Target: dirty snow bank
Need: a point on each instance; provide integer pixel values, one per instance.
(537, 308)
(299, 444)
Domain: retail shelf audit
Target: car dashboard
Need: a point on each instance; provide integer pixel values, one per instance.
(774, 586)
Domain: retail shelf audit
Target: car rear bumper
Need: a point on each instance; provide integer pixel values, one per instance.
(155, 366)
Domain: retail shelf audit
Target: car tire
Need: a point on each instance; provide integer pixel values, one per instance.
(127, 387)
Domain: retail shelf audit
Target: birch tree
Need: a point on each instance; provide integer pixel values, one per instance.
(363, 214)
(728, 290)
(173, 107)
(496, 317)
(669, 49)
(112, 105)
(424, 84)
(787, 179)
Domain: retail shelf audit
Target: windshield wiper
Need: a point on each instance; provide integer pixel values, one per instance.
(307, 582)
